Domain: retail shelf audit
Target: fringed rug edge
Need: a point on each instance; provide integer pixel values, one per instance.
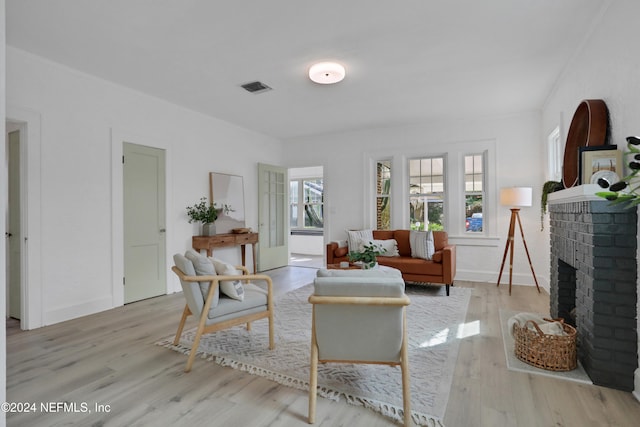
(391, 411)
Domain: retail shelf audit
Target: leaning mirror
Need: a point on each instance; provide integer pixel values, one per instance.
(227, 192)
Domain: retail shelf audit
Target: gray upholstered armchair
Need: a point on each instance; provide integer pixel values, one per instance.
(359, 317)
(202, 279)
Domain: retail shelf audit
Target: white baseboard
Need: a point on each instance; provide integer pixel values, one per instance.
(492, 277)
(77, 310)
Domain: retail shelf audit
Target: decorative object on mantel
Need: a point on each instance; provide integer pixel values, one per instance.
(515, 196)
(367, 255)
(547, 187)
(598, 162)
(589, 128)
(206, 213)
(625, 191)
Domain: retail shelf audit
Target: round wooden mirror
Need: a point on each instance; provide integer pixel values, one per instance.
(588, 128)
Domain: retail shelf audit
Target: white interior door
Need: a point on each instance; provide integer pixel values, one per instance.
(144, 222)
(14, 235)
(272, 205)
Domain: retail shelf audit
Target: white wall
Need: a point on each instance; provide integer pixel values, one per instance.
(79, 115)
(518, 156)
(3, 205)
(608, 68)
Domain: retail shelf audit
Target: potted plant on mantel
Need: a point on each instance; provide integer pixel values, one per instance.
(367, 256)
(206, 213)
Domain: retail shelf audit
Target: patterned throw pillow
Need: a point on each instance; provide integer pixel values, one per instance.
(355, 236)
(421, 243)
(389, 246)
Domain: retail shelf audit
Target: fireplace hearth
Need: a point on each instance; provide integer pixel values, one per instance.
(593, 285)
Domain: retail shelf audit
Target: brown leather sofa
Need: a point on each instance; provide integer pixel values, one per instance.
(441, 269)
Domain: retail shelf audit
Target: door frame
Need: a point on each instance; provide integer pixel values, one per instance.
(117, 206)
(31, 287)
(262, 247)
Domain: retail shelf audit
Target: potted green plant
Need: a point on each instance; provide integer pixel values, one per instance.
(206, 213)
(368, 255)
(547, 188)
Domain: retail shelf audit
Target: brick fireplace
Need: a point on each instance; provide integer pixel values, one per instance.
(593, 283)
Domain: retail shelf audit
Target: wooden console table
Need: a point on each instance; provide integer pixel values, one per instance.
(225, 240)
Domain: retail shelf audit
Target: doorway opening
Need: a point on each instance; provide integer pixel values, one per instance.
(14, 245)
(306, 216)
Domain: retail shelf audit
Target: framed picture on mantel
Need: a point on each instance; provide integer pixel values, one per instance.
(603, 161)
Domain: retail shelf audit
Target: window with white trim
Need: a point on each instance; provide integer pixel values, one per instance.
(555, 155)
(383, 195)
(474, 192)
(306, 204)
(426, 193)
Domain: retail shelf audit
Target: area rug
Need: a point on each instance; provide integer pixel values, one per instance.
(436, 325)
(515, 364)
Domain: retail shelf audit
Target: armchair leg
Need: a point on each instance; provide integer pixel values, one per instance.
(194, 349)
(448, 290)
(272, 343)
(406, 388)
(313, 376)
(185, 313)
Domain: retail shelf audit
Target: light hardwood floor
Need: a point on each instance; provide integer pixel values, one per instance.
(110, 359)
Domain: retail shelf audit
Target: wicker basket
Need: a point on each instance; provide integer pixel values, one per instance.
(550, 352)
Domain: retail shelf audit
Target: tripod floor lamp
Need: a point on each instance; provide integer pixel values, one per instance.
(515, 197)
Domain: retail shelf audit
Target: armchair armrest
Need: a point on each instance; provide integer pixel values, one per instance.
(215, 281)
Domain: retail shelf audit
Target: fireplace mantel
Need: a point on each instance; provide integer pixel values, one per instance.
(579, 193)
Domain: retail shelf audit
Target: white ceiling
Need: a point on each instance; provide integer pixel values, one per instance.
(407, 61)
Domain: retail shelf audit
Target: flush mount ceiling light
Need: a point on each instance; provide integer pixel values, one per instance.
(326, 73)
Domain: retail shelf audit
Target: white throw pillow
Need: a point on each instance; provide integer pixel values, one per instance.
(355, 236)
(231, 288)
(421, 243)
(388, 246)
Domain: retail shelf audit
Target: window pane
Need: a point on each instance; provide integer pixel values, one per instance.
(306, 203)
(383, 197)
(474, 193)
(313, 216)
(293, 215)
(426, 193)
(293, 192)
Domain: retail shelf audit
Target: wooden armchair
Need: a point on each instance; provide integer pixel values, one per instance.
(359, 320)
(216, 312)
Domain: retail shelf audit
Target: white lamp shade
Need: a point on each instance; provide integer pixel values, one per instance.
(516, 196)
(327, 73)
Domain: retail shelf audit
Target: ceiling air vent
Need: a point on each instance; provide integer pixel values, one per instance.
(256, 87)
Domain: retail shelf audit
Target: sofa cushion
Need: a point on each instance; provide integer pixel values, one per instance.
(421, 243)
(362, 273)
(203, 267)
(415, 266)
(440, 240)
(402, 237)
